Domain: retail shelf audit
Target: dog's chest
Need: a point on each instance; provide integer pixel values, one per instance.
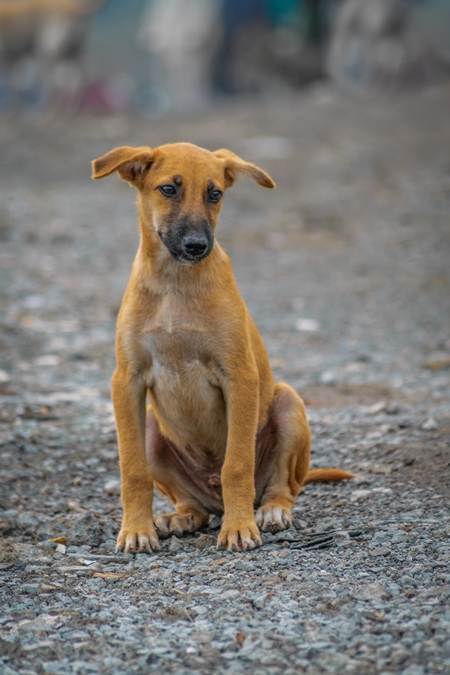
(184, 380)
(177, 341)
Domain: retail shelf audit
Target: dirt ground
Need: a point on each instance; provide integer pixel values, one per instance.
(345, 268)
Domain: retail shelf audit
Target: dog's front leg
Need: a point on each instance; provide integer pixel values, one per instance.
(239, 529)
(138, 531)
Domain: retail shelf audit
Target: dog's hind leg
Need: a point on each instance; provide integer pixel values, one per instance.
(282, 459)
(180, 483)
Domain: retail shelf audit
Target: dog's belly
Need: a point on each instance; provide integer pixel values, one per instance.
(185, 392)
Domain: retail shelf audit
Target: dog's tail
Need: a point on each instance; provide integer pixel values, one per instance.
(327, 475)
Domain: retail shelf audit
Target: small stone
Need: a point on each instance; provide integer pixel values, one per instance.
(360, 495)
(30, 589)
(9, 555)
(399, 537)
(203, 541)
(410, 592)
(48, 544)
(112, 487)
(60, 548)
(430, 424)
(4, 377)
(414, 670)
(175, 545)
(215, 523)
(327, 377)
(342, 538)
(307, 325)
(240, 639)
(259, 601)
(299, 524)
(380, 550)
(231, 646)
(375, 408)
(372, 592)
(381, 537)
(284, 536)
(74, 506)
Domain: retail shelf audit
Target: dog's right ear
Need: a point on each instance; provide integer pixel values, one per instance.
(132, 164)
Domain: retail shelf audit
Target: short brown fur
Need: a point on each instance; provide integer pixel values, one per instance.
(219, 436)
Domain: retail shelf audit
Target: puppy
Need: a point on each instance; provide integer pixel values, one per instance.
(219, 436)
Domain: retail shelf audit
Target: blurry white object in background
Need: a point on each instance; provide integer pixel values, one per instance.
(182, 36)
(381, 43)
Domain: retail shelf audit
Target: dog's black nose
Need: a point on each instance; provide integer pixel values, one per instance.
(195, 245)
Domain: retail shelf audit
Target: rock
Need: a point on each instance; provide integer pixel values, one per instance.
(380, 550)
(372, 592)
(380, 537)
(4, 377)
(375, 408)
(307, 325)
(175, 544)
(259, 601)
(360, 495)
(240, 565)
(73, 505)
(203, 541)
(30, 589)
(299, 523)
(328, 377)
(430, 424)
(9, 555)
(112, 487)
(215, 523)
(48, 544)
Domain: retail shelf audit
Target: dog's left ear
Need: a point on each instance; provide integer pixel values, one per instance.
(132, 164)
(234, 165)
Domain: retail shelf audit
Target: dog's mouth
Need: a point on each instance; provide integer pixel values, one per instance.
(188, 260)
(189, 249)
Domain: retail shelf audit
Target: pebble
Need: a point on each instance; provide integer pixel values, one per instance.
(430, 424)
(360, 495)
(175, 545)
(112, 487)
(379, 550)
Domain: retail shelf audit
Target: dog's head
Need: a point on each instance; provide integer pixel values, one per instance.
(180, 191)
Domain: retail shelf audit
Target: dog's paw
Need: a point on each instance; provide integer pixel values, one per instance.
(137, 540)
(274, 518)
(238, 536)
(178, 524)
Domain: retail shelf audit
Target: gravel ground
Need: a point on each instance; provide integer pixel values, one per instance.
(345, 268)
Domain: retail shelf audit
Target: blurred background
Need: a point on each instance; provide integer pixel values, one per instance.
(154, 56)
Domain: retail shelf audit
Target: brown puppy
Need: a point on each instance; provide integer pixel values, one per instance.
(219, 435)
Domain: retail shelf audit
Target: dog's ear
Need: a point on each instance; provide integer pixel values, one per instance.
(132, 164)
(234, 165)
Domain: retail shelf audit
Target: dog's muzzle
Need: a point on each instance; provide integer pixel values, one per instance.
(188, 247)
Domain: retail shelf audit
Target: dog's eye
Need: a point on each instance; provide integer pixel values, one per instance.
(168, 190)
(215, 196)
